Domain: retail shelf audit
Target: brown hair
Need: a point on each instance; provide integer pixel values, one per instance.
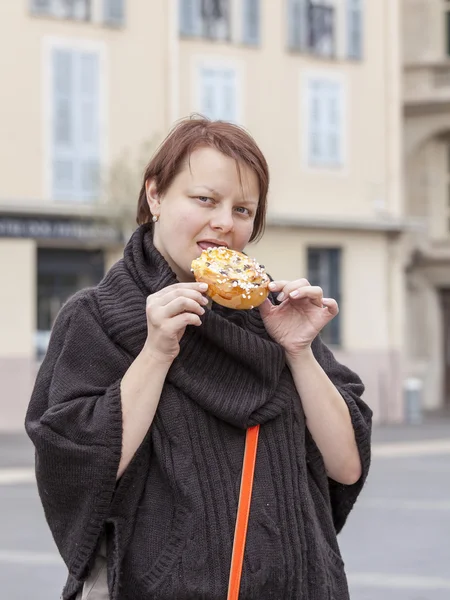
(192, 133)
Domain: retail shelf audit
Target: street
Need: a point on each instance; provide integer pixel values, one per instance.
(395, 545)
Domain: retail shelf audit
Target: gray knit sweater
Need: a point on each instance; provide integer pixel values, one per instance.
(169, 521)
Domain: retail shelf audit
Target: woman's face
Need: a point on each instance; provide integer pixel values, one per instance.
(209, 203)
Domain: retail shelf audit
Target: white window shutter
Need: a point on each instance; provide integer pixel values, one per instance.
(316, 122)
(228, 110)
(297, 24)
(325, 122)
(334, 124)
(190, 17)
(354, 28)
(114, 12)
(88, 126)
(218, 93)
(63, 134)
(209, 94)
(251, 21)
(40, 6)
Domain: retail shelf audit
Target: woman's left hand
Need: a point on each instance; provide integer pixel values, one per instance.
(302, 314)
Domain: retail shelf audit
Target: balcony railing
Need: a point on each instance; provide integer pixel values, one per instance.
(312, 28)
(321, 29)
(206, 18)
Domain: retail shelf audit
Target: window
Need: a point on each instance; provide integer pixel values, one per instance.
(324, 270)
(205, 18)
(114, 12)
(354, 28)
(218, 93)
(77, 10)
(321, 29)
(324, 119)
(311, 27)
(75, 86)
(251, 22)
(61, 273)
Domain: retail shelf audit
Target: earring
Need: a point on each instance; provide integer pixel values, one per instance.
(155, 218)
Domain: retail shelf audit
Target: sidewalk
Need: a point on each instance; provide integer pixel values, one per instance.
(433, 427)
(16, 450)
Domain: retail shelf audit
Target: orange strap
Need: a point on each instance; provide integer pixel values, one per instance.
(245, 495)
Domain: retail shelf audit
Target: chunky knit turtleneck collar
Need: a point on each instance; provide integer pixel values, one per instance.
(229, 365)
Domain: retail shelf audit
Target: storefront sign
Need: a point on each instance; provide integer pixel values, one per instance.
(28, 227)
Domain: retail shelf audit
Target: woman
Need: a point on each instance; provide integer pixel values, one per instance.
(141, 406)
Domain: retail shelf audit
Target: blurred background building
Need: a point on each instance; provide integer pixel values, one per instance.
(90, 87)
(426, 104)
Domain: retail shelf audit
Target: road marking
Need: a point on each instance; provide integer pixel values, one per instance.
(405, 582)
(15, 476)
(404, 504)
(30, 558)
(404, 449)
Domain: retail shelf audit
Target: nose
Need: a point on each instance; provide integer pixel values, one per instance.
(222, 219)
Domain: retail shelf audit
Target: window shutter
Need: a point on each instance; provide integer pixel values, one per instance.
(227, 93)
(251, 21)
(354, 28)
(40, 6)
(88, 126)
(316, 122)
(325, 122)
(76, 123)
(297, 24)
(114, 12)
(208, 93)
(190, 13)
(218, 94)
(63, 135)
(334, 124)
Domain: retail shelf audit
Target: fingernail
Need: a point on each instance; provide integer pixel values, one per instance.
(294, 294)
(203, 286)
(272, 286)
(280, 297)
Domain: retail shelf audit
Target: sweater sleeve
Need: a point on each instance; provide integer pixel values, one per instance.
(74, 420)
(351, 388)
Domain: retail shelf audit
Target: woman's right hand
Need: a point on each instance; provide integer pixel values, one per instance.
(169, 312)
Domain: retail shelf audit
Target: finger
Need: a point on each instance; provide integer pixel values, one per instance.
(313, 293)
(288, 286)
(265, 308)
(180, 322)
(190, 285)
(277, 286)
(331, 305)
(181, 305)
(179, 293)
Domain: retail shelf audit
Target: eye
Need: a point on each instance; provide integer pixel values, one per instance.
(243, 211)
(204, 199)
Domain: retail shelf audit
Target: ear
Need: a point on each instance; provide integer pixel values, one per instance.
(153, 198)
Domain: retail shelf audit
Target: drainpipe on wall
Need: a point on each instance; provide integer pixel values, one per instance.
(395, 205)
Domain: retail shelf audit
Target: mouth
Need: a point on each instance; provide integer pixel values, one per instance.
(205, 244)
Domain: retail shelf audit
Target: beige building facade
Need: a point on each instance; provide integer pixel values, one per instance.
(426, 51)
(92, 86)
